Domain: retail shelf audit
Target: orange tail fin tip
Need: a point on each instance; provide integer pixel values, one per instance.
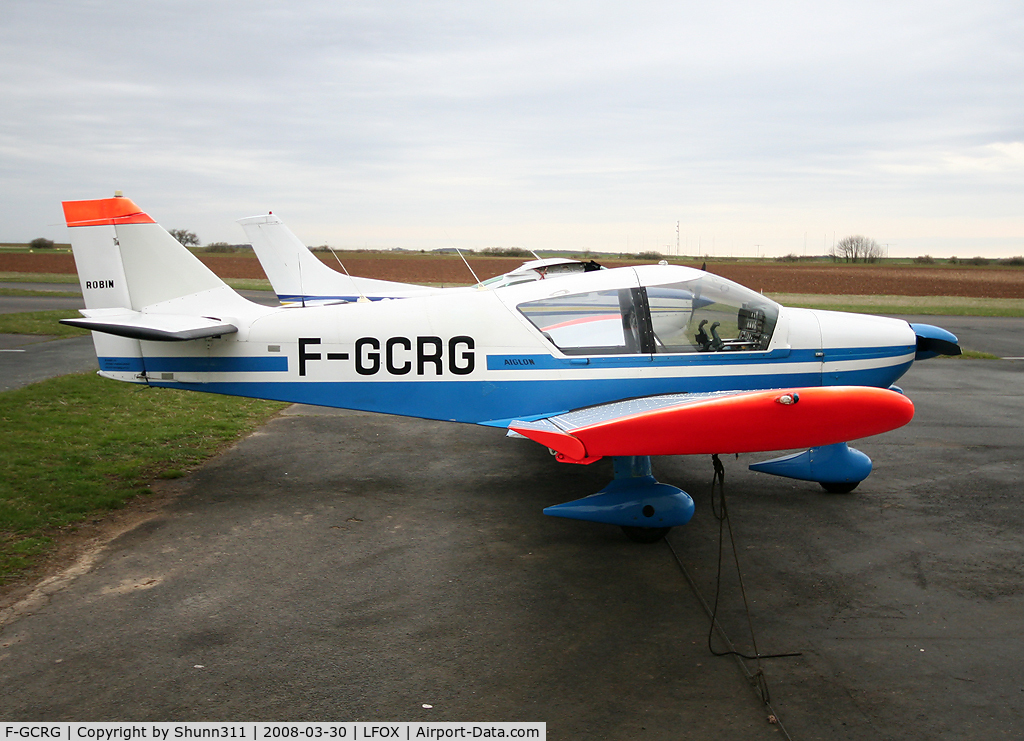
(104, 212)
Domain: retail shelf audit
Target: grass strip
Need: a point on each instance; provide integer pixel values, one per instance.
(912, 310)
(248, 284)
(972, 355)
(245, 284)
(79, 445)
(41, 323)
(11, 277)
(913, 305)
(33, 292)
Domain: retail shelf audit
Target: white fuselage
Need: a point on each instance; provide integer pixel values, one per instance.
(526, 350)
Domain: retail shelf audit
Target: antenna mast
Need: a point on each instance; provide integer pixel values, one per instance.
(362, 298)
(463, 258)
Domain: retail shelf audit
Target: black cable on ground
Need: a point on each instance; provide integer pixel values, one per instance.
(722, 515)
(757, 678)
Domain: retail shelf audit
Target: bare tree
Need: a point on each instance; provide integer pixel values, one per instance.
(857, 248)
(187, 238)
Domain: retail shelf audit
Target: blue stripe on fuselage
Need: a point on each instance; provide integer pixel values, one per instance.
(230, 364)
(881, 377)
(702, 359)
(121, 364)
(482, 401)
(476, 401)
(186, 364)
(288, 298)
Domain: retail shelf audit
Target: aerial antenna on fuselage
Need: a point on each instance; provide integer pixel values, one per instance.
(463, 258)
(362, 298)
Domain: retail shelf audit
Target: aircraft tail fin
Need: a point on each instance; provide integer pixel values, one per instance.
(140, 283)
(126, 260)
(298, 276)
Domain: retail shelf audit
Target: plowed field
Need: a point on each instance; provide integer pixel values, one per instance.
(771, 277)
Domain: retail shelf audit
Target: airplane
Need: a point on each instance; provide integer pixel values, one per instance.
(300, 279)
(625, 363)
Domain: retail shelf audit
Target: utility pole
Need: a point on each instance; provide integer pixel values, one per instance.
(677, 239)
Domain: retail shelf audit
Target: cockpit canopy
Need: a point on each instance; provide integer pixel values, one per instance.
(550, 267)
(703, 314)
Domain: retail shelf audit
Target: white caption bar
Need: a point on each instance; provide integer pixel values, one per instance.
(267, 731)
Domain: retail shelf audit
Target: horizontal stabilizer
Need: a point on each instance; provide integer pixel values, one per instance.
(722, 422)
(158, 327)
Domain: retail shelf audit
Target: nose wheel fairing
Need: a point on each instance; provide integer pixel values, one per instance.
(833, 466)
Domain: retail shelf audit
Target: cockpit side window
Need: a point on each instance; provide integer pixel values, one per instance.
(597, 323)
(710, 314)
(707, 314)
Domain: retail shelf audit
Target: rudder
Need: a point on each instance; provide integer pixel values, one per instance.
(125, 259)
(127, 262)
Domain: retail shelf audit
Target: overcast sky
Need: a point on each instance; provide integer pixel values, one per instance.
(757, 126)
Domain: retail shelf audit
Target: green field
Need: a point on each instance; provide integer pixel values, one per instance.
(80, 445)
(921, 305)
(31, 292)
(40, 323)
(7, 277)
(239, 284)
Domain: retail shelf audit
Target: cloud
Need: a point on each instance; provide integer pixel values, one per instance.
(395, 120)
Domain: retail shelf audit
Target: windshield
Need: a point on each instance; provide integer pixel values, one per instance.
(706, 314)
(710, 314)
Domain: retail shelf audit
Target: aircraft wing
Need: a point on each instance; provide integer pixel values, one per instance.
(141, 326)
(720, 422)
